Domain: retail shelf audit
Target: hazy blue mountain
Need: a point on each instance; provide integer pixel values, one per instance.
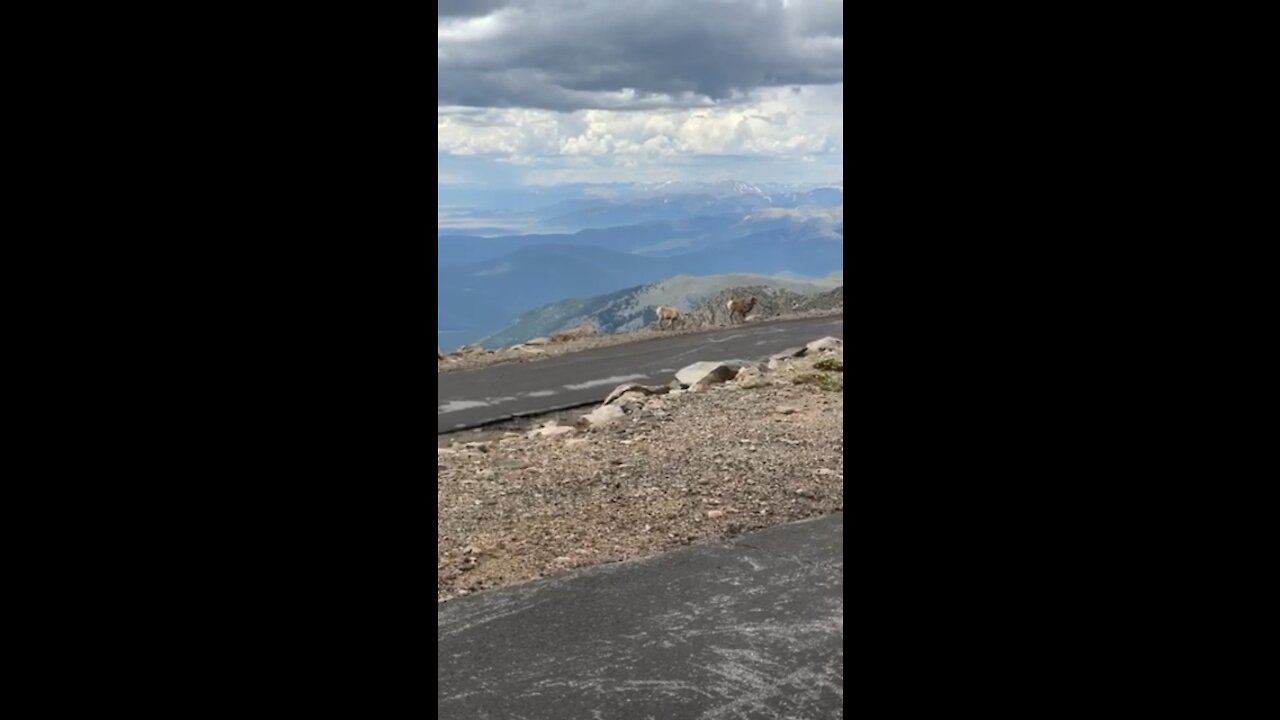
(466, 249)
(575, 207)
(805, 252)
(636, 235)
(507, 200)
(482, 297)
(653, 208)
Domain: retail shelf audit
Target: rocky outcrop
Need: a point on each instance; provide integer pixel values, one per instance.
(552, 431)
(633, 391)
(752, 377)
(577, 333)
(701, 374)
(826, 344)
(831, 300)
(602, 416)
(529, 349)
(770, 302)
(830, 363)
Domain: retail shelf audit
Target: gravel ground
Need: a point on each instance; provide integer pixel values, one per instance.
(676, 469)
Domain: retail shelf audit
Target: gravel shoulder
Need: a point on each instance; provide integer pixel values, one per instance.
(669, 470)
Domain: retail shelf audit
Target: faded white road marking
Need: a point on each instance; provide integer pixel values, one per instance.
(615, 380)
(457, 405)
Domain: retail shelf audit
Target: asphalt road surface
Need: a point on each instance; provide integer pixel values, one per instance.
(752, 628)
(476, 397)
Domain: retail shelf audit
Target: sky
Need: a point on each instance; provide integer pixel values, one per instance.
(543, 92)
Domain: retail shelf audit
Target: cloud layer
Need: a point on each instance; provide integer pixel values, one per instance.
(790, 122)
(571, 55)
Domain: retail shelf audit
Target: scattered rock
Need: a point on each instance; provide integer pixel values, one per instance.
(829, 363)
(535, 342)
(470, 350)
(708, 373)
(603, 415)
(633, 398)
(577, 333)
(824, 344)
(636, 390)
(784, 359)
(822, 381)
(751, 377)
(571, 497)
(553, 431)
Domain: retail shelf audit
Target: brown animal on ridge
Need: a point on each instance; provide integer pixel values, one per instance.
(669, 315)
(740, 306)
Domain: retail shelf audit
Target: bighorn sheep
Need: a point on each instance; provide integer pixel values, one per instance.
(740, 306)
(669, 315)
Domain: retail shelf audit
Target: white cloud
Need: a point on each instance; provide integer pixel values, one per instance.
(772, 123)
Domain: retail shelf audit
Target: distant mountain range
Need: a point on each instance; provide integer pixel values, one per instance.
(532, 199)
(616, 206)
(629, 236)
(605, 212)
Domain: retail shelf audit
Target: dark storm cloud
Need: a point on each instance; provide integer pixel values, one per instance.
(634, 54)
(466, 8)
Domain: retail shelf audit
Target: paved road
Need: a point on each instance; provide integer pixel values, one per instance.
(475, 397)
(753, 628)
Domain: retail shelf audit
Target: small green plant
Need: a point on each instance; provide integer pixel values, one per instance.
(822, 381)
(830, 363)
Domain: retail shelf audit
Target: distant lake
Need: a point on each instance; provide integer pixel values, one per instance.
(467, 221)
